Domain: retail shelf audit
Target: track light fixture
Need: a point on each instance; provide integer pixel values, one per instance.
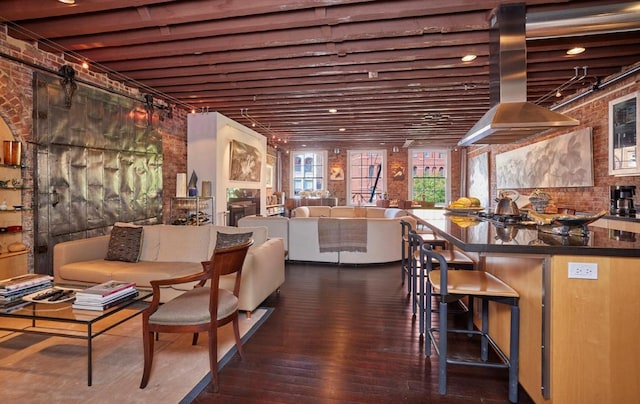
(273, 139)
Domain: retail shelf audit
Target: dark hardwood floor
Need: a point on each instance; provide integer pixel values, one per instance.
(346, 334)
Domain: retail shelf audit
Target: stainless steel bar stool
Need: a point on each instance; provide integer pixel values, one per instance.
(429, 238)
(416, 269)
(450, 286)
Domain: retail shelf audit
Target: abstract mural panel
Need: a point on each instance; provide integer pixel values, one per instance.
(562, 161)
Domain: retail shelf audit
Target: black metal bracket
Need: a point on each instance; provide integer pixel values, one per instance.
(68, 83)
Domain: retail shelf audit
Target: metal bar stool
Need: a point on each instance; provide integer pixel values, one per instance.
(430, 238)
(452, 285)
(455, 260)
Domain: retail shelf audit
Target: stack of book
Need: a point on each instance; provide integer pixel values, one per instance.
(105, 295)
(12, 290)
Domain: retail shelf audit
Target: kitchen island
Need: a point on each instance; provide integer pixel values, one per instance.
(577, 335)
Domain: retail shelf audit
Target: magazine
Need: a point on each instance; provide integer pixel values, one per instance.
(23, 281)
(101, 307)
(97, 299)
(106, 288)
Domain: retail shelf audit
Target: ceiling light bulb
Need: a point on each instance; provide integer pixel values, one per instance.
(333, 110)
(67, 1)
(468, 58)
(342, 129)
(85, 65)
(575, 51)
(558, 94)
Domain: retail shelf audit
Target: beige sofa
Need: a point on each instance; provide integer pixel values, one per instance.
(383, 233)
(169, 251)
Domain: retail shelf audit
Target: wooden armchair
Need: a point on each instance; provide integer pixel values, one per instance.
(195, 310)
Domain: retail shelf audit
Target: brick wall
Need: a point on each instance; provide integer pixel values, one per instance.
(396, 189)
(16, 109)
(592, 111)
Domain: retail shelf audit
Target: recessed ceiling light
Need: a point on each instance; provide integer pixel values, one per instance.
(342, 129)
(575, 51)
(67, 1)
(333, 110)
(468, 58)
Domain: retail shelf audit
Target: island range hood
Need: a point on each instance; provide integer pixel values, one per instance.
(511, 117)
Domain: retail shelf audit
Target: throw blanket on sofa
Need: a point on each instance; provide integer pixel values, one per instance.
(339, 234)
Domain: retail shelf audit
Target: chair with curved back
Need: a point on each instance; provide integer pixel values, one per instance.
(203, 308)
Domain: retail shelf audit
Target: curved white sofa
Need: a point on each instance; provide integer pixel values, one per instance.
(170, 251)
(383, 233)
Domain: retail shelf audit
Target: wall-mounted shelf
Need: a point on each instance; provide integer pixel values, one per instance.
(275, 210)
(12, 185)
(194, 211)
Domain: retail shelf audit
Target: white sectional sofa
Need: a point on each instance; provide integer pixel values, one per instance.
(169, 251)
(383, 233)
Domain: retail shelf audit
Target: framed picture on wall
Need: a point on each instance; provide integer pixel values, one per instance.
(478, 178)
(337, 174)
(269, 176)
(398, 173)
(245, 163)
(624, 140)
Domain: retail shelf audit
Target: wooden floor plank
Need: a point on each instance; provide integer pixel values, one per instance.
(346, 334)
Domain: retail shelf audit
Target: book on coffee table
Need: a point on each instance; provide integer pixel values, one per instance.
(106, 288)
(98, 305)
(24, 282)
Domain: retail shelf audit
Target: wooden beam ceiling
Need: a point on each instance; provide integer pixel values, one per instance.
(392, 68)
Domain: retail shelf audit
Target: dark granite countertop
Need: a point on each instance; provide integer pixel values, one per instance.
(483, 236)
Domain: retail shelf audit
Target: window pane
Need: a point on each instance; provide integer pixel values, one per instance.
(309, 171)
(430, 184)
(366, 176)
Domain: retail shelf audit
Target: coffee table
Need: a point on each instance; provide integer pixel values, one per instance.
(60, 319)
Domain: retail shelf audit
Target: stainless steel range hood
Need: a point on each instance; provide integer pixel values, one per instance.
(511, 117)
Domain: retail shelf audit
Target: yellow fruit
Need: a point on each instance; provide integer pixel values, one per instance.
(464, 221)
(474, 201)
(465, 202)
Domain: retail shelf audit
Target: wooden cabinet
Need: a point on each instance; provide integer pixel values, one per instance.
(578, 337)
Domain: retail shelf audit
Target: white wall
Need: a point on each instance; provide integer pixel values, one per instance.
(209, 136)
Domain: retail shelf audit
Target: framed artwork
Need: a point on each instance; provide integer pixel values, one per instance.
(562, 161)
(398, 173)
(337, 174)
(269, 176)
(624, 139)
(245, 162)
(478, 178)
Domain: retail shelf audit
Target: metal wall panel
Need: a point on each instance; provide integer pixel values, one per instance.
(98, 162)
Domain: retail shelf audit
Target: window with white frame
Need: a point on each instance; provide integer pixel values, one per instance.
(429, 180)
(367, 176)
(308, 171)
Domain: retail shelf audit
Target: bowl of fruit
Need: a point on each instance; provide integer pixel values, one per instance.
(465, 204)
